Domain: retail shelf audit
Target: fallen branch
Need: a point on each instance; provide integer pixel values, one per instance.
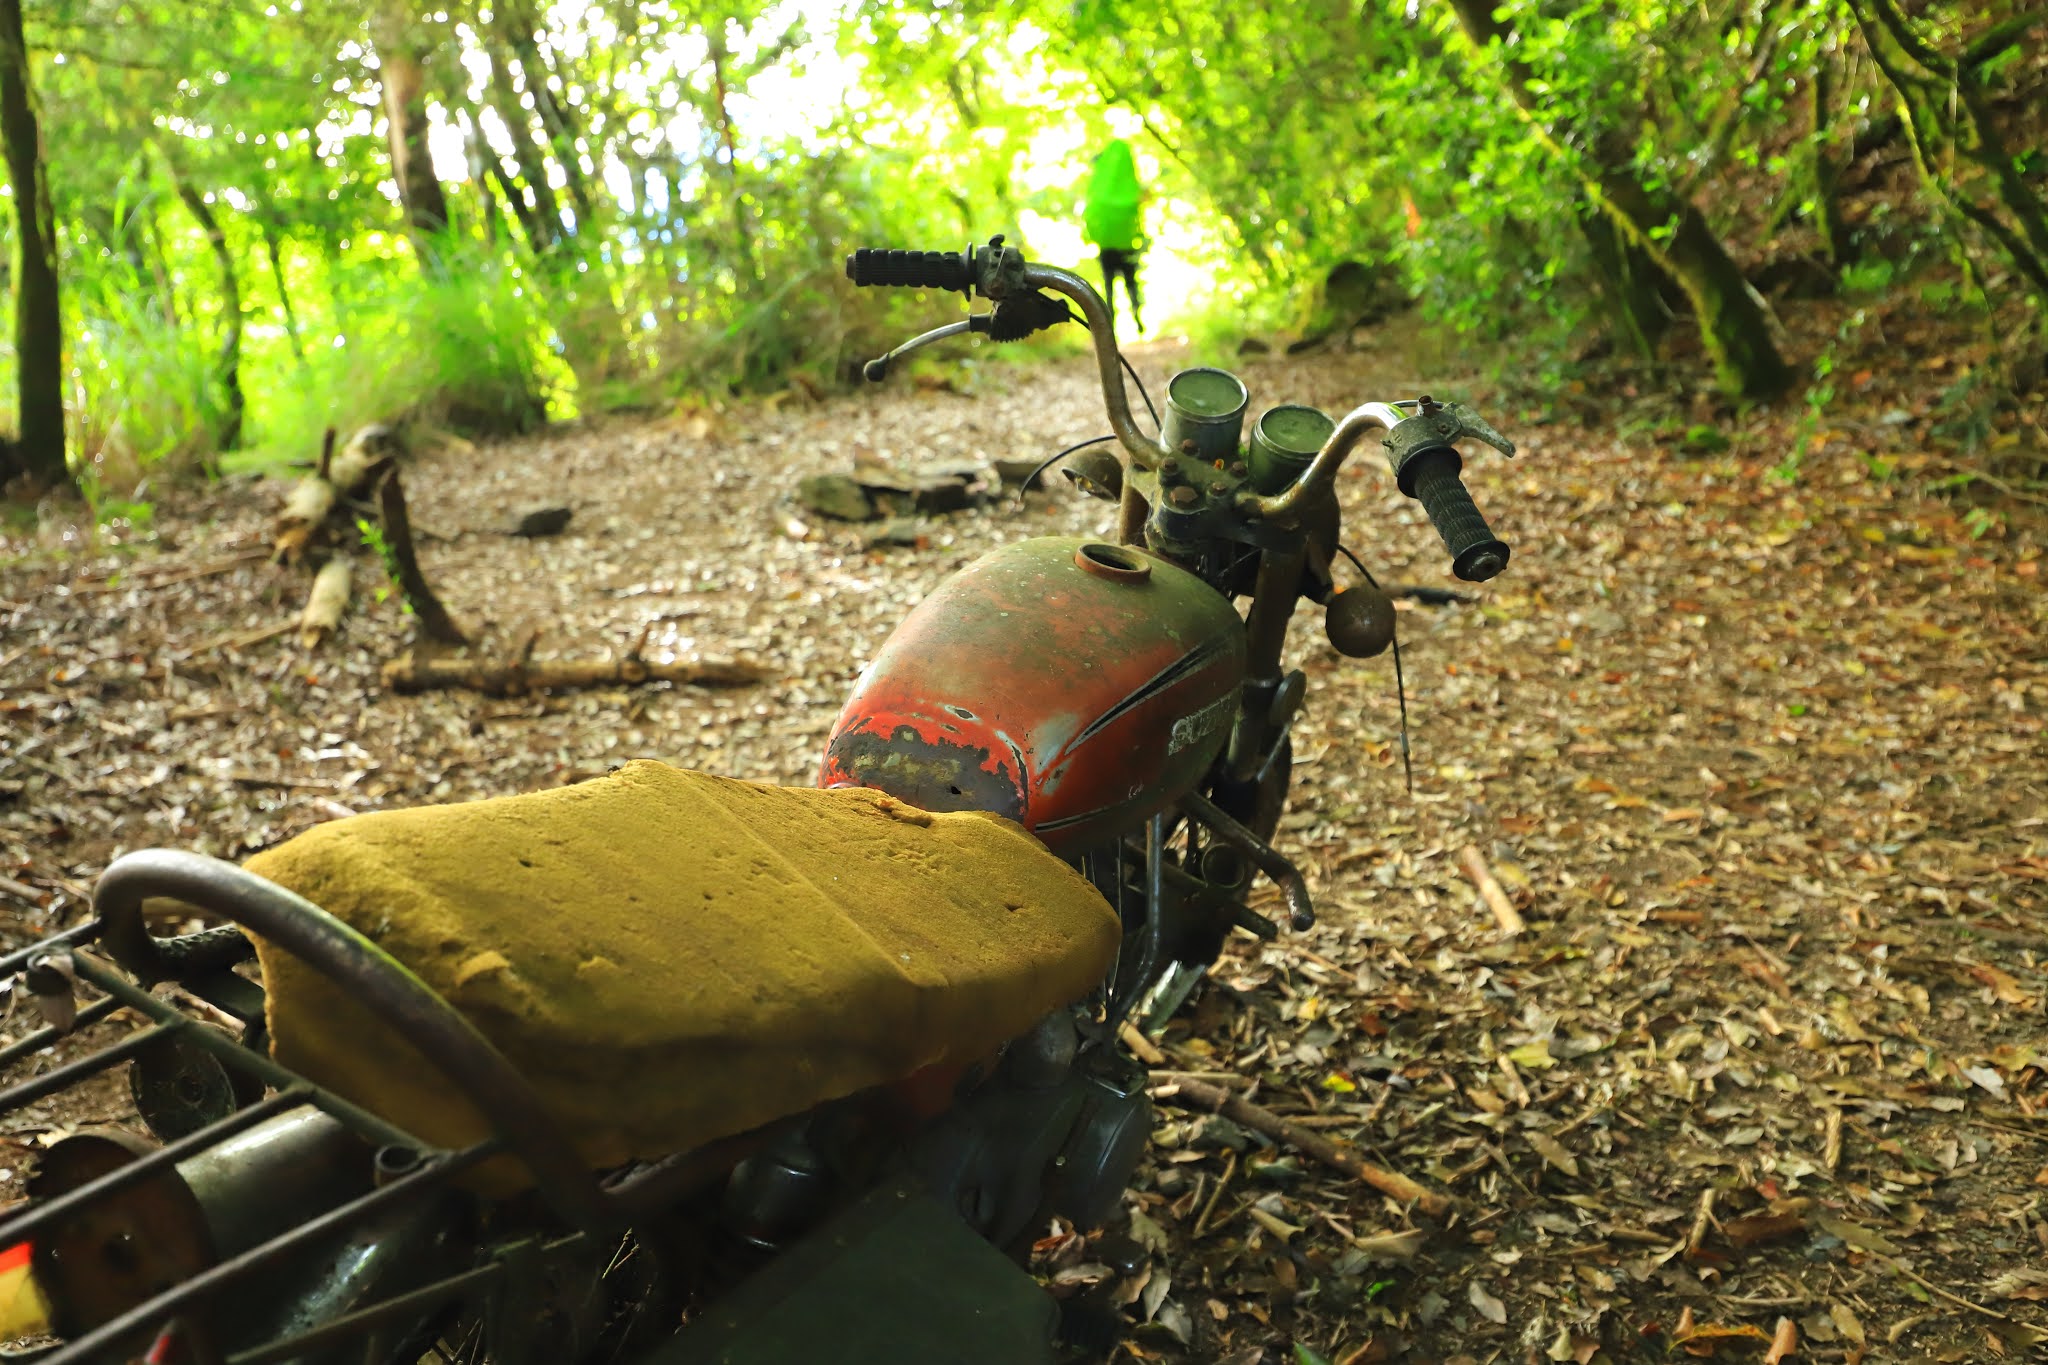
(1504, 912)
(305, 510)
(434, 620)
(1335, 1155)
(519, 675)
(182, 575)
(1140, 1046)
(325, 604)
(341, 474)
(241, 639)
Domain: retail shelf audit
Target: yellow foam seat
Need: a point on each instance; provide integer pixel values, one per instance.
(672, 957)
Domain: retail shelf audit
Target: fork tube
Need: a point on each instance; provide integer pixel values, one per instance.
(1265, 628)
(1131, 514)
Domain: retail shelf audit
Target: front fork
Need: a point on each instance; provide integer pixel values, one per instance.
(1178, 904)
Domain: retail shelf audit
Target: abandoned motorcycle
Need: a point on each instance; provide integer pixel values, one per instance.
(667, 1068)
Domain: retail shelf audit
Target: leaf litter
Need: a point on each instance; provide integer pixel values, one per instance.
(1758, 764)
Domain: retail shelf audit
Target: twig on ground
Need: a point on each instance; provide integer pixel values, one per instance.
(513, 678)
(1504, 912)
(1141, 1046)
(1701, 1222)
(1393, 1183)
(1957, 1299)
(1202, 1219)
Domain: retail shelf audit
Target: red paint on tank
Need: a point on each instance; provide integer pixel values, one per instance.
(1075, 687)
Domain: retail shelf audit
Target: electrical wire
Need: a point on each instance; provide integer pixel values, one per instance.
(1400, 686)
(1150, 411)
(1033, 476)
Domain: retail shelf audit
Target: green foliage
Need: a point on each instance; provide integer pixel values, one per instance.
(650, 200)
(374, 540)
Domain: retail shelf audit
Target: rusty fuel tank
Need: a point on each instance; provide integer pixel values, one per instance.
(1074, 686)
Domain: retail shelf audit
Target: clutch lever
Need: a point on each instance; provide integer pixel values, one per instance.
(1015, 317)
(876, 370)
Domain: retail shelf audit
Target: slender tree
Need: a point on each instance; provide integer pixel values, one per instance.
(38, 319)
(229, 366)
(405, 126)
(1734, 323)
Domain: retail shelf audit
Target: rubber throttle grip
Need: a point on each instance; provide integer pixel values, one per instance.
(911, 269)
(1476, 553)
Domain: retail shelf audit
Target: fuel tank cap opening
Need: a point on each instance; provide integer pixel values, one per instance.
(1113, 562)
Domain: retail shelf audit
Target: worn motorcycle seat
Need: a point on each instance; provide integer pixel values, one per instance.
(672, 957)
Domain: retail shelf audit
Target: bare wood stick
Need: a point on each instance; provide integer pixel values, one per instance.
(1332, 1154)
(184, 575)
(305, 511)
(1701, 1222)
(426, 607)
(326, 452)
(1504, 912)
(1957, 1299)
(515, 677)
(326, 603)
(1140, 1045)
(1202, 1219)
(1831, 1140)
(240, 639)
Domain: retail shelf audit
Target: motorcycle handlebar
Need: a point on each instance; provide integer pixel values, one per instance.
(1476, 553)
(886, 266)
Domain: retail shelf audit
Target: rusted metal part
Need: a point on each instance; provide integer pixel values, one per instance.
(1301, 912)
(137, 1323)
(1285, 506)
(441, 1033)
(1360, 621)
(1077, 703)
(120, 1248)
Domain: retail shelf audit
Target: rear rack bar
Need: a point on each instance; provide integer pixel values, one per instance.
(39, 1215)
(43, 1037)
(448, 1041)
(149, 1316)
(49, 943)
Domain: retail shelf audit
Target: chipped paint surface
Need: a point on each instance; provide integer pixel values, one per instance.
(1075, 704)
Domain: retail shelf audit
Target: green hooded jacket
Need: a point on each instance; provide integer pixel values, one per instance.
(1110, 217)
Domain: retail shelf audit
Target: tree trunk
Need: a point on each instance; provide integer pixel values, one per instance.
(544, 224)
(38, 319)
(522, 47)
(1630, 281)
(474, 151)
(405, 128)
(1733, 320)
(273, 246)
(230, 365)
(742, 232)
(1826, 168)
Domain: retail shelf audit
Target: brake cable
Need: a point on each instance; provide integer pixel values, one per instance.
(1400, 687)
(1150, 411)
(1033, 476)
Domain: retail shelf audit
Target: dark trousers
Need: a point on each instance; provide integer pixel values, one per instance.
(1124, 265)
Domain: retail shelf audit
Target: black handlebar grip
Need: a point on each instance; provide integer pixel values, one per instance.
(1476, 553)
(911, 269)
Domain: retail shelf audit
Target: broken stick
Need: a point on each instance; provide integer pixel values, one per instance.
(326, 603)
(1504, 912)
(1335, 1155)
(434, 620)
(512, 678)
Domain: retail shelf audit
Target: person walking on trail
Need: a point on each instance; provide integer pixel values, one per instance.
(1110, 218)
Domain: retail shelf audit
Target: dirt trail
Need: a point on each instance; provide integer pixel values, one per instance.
(1763, 766)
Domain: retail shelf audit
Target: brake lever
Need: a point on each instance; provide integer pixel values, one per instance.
(1450, 422)
(876, 370)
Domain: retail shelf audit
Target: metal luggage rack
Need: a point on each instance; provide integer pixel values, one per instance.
(409, 1169)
